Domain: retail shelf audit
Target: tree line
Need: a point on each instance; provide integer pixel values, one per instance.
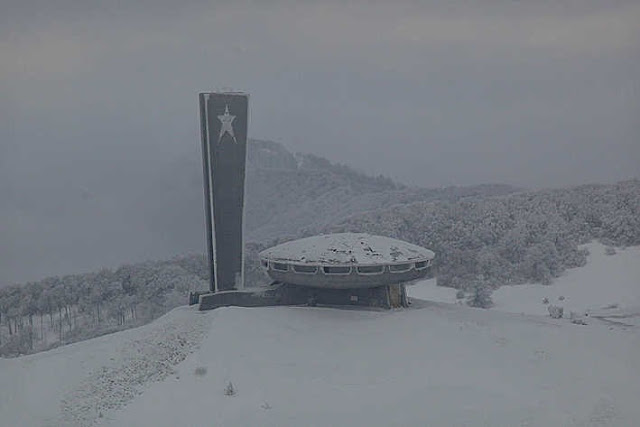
(481, 243)
(59, 310)
(529, 237)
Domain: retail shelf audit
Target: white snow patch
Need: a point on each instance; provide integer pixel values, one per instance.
(347, 248)
(608, 288)
(428, 290)
(608, 284)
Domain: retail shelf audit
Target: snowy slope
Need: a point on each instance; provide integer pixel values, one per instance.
(609, 285)
(71, 385)
(434, 364)
(606, 281)
(437, 365)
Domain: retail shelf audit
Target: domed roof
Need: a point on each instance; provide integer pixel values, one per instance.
(347, 248)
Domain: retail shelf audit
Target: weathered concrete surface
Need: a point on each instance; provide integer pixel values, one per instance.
(286, 294)
(349, 281)
(224, 121)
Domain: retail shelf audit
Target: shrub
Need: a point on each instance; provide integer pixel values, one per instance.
(480, 295)
(555, 311)
(229, 390)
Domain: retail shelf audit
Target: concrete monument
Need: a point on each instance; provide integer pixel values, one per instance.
(223, 122)
(335, 269)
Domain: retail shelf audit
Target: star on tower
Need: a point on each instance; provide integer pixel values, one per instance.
(225, 124)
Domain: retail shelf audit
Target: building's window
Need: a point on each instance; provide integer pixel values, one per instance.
(306, 269)
(337, 270)
(264, 263)
(370, 269)
(399, 268)
(280, 266)
(421, 265)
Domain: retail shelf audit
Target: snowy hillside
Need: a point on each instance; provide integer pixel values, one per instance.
(438, 365)
(433, 364)
(292, 195)
(607, 287)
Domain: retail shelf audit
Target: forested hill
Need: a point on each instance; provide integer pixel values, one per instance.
(518, 238)
(287, 194)
(293, 194)
(484, 237)
(135, 206)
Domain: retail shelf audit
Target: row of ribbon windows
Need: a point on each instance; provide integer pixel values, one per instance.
(345, 269)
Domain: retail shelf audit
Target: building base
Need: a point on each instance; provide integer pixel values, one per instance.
(387, 297)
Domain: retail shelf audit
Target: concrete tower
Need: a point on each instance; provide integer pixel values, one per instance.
(223, 122)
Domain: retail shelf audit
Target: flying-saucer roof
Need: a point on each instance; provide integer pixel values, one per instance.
(347, 248)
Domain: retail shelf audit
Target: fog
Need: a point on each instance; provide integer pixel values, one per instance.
(98, 98)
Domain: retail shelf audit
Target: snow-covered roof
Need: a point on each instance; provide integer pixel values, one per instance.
(347, 248)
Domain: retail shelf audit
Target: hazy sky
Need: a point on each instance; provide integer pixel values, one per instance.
(532, 93)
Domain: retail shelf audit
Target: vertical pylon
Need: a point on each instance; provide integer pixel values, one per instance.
(224, 121)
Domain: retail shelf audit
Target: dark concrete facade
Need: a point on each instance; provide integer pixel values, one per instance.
(390, 296)
(224, 121)
(351, 280)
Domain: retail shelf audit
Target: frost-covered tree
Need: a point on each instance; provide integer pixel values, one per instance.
(480, 293)
(510, 239)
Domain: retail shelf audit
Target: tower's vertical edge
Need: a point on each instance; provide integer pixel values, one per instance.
(224, 123)
(204, 99)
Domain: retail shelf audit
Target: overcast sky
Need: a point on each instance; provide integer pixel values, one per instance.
(531, 93)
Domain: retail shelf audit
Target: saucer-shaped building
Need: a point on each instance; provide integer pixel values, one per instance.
(347, 261)
(341, 269)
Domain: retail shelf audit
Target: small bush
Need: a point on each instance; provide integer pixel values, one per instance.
(480, 295)
(229, 390)
(555, 311)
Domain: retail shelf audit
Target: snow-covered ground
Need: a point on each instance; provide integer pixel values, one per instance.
(438, 365)
(72, 385)
(608, 286)
(434, 364)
